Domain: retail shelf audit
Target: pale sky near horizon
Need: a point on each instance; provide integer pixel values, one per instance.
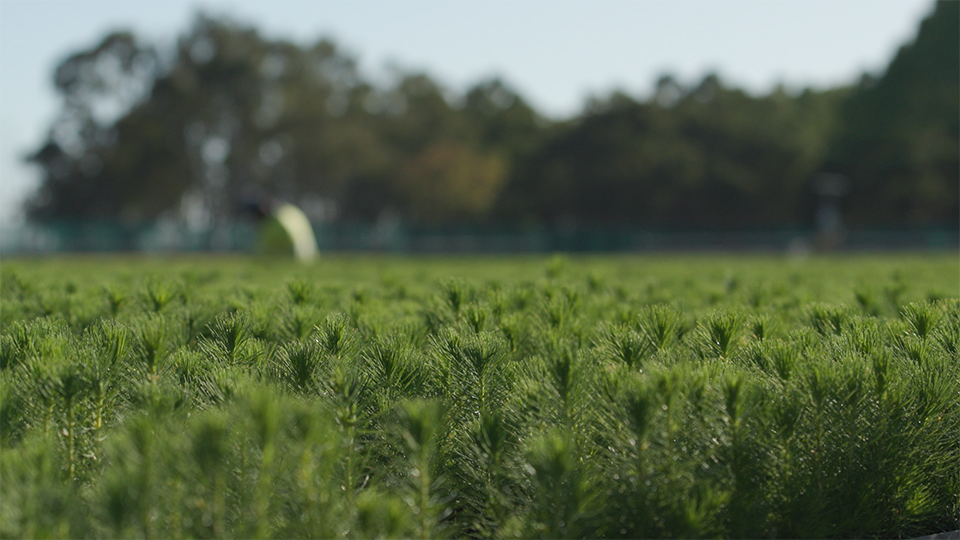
(556, 54)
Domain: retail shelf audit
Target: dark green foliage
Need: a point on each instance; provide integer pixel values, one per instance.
(298, 363)
(719, 335)
(828, 319)
(538, 407)
(567, 498)
(156, 295)
(303, 121)
(229, 339)
(898, 134)
(625, 345)
(922, 319)
(705, 161)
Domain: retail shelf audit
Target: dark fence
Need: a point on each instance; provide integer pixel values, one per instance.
(241, 237)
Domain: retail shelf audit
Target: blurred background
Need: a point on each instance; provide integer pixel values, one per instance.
(481, 126)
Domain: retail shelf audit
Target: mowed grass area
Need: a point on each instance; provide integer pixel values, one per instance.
(527, 397)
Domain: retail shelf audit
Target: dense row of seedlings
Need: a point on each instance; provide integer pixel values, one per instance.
(550, 409)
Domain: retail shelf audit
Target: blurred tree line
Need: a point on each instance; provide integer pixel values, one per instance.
(147, 133)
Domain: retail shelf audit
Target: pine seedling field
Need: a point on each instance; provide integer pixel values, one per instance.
(525, 397)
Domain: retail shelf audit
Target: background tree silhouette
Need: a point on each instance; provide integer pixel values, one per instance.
(147, 133)
(899, 138)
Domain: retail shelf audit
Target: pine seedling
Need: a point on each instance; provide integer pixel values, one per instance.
(521, 297)
(912, 347)
(820, 384)
(639, 408)
(298, 321)
(455, 294)
(622, 344)
(210, 438)
(152, 345)
(498, 300)
(513, 327)
(129, 488)
(867, 300)
(196, 373)
(265, 419)
(111, 340)
(475, 368)
(761, 327)
(382, 515)
(157, 398)
(229, 338)
(772, 357)
(350, 391)
(827, 319)
(476, 316)
(420, 421)
(314, 455)
(262, 320)
(921, 318)
(893, 291)
(435, 318)
(300, 291)
(194, 318)
(563, 374)
(42, 379)
(158, 294)
(335, 335)
(36, 501)
(10, 355)
(13, 286)
(743, 455)
(297, 364)
(667, 392)
(13, 410)
(866, 335)
(71, 387)
(110, 344)
(575, 379)
(115, 297)
(632, 415)
(783, 358)
(661, 325)
(486, 483)
(753, 356)
(719, 335)
(44, 339)
(556, 310)
(564, 500)
(47, 303)
(397, 371)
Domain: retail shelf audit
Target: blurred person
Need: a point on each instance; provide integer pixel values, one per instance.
(284, 229)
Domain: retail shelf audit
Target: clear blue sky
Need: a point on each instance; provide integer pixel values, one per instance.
(555, 53)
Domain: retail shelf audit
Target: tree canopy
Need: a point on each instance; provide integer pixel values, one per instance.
(145, 133)
(899, 139)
